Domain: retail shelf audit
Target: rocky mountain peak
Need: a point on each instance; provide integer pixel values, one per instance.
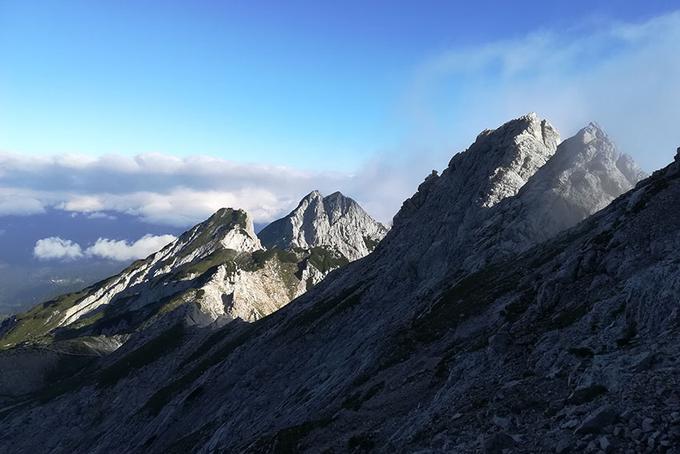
(312, 196)
(337, 205)
(521, 147)
(593, 131)
(494, 167)
(511, 189)
(594, 145)
(334, 221)
(590, 158)
(227, 228)
(585, 174)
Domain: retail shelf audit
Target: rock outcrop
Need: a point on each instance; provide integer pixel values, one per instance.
(334, 222)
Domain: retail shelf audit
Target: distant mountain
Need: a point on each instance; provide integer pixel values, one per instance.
(525, 300)
(217, 271)
(335, 221)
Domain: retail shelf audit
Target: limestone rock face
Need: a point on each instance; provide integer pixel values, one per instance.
(585, 174)
(226, 230)
(335, 222)
(147, 288)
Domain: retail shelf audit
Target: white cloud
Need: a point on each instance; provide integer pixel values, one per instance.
(20, 205)
(82, 204)
(55, 248)
(184, 191)
(124, 251)
(101, 215)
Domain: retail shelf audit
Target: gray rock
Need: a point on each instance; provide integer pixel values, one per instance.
(334, 221)
(497, 442)
(643, 361)
(586, 394)
(503, 423)
(570, 424)
(598, 420)
(605, 444)
(564, 445)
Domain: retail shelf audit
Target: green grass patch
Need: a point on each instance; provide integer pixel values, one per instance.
(224, 257)
(325, 259)
(35, 324)
(259, 258)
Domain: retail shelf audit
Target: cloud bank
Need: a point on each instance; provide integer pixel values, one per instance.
(55, 248)
(123, 251)
(184, 191)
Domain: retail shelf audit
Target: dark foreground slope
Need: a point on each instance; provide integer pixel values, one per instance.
(568, 344)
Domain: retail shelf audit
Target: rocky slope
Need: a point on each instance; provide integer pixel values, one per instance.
(203, 255)
(530, 345)
(335, 222)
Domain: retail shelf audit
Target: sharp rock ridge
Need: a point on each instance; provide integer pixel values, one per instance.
(335, 221)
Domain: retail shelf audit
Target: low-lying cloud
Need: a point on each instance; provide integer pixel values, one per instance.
(56, 248)
(121, 250)
(181, 192)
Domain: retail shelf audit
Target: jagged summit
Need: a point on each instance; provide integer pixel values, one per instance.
(334, 221)
(513, 188)
(227, 228)
(515, 151)
(585, 174)
(435, 227)
(592, 152)
(494, 167)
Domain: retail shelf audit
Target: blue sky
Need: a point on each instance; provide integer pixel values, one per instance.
(167, 111)
(312, 85)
